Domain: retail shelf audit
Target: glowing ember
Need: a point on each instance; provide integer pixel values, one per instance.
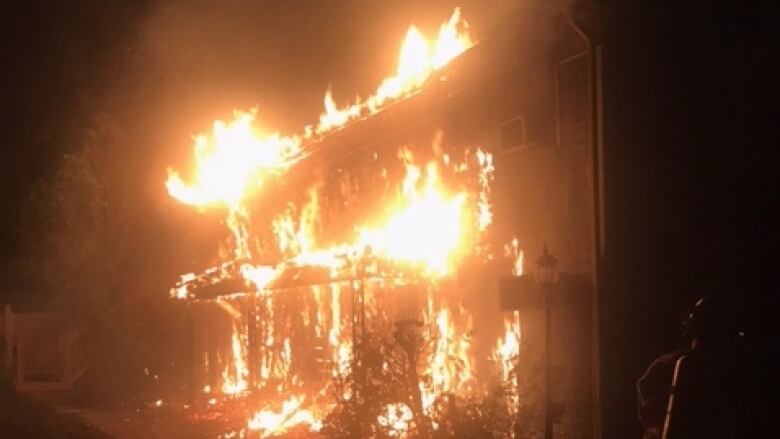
(278, 422)
(234, 381)
(396, 419)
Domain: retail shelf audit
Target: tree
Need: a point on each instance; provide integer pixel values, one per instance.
(88, 248)
(67, 234)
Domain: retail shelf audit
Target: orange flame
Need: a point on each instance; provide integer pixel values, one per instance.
(513, 250)
(486, 169)
(234, 376)
(233, 161)
(418, 61)
(423, 227)
(427, 227)
(506, 356)
(396, 419)
(290, 415)
(451, 364)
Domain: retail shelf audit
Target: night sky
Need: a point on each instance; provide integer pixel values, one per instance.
(691, 174)
(690, 126)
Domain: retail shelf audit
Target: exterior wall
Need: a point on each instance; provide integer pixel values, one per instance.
(544, 197)
(530, 104)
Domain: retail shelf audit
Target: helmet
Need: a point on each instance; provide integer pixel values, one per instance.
(707, 317)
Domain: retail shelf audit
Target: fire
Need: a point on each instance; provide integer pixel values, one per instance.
(418, 61)
(232, 161)
(342, 350)
(450, 365)
(234, 377)
(486, 170)
(426, 228)
(290, 415)
(259, 275)
(512, 250)
(396, 419)
(506, 356)
(237, 157)
(508, 347)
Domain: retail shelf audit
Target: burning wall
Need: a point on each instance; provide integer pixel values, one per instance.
(331, 228)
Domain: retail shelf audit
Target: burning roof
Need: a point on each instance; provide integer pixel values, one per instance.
(235, 160)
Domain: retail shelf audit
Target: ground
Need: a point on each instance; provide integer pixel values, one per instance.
(27, 417)
(55, 416)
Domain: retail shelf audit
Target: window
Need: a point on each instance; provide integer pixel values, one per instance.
(512, 133)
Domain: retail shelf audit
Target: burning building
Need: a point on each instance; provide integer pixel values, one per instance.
(361, 264)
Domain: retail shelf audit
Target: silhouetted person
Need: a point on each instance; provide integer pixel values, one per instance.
(653, 393)
(695, 392)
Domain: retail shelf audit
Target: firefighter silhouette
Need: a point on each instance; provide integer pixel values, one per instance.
(694, 391)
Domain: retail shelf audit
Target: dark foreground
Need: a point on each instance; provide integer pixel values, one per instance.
(24, 417)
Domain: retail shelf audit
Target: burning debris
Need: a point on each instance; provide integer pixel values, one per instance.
(305, 303)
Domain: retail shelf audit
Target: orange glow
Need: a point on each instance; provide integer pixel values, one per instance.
(396, 419)
(485, 160)
(512, 250)
(418, 60)
(424, 212)
(232, 162)
(278, 422)
(423, 227)
(234, 379)
(426, 227)
(450, 365)
(506, 356)
(508, 347)
(341, 348)
(237, 157)
(259, 275)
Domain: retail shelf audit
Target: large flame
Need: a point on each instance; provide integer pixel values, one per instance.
(232, 161)
(419, 59)
(237, 156)
(291, 414)
(427, 227)
(423, 227)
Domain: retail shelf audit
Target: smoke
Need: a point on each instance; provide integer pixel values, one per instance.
(210, 57)
(197, 61)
